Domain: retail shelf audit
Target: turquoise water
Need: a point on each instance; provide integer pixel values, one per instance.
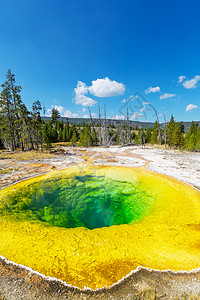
(81, 201)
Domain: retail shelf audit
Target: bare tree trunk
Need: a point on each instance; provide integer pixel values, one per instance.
(127, 127)
(165, 127)
(22, 145)
(44, 110)
(29, 132)
(121, 135)
(11, 129)
(105, 127)
(92, 123)
(100, 133)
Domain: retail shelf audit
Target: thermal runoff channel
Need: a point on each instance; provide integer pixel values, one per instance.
(92, 228)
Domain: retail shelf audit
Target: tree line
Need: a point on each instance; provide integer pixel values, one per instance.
(25, 129)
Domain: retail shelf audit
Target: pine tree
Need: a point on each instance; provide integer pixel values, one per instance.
(60, 135)
(47, 134)
(26, 127)
(9, 109)
(74, 139)
(198, 139)
(37, 123)
(72, 128)
(1, 141)
(67, 130)
(14, 114)
(61, 125)
(142, 136)
(54, 134)
(60, 130)
(191, 137)
(17, 103)
(170, 132)
(148, 135)
(55, 115)
(177, 136)
(117, 138)
(155, 133)
(65, 135)
(133, 135)
(85, 138)
(137, 139)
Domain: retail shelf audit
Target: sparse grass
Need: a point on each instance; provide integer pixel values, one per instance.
(157, 146)
(26, 155)
(66, 144)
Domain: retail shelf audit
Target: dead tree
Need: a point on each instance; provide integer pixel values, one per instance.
(127, 127)
(100, 133)
(165, 127)
(121, 132)
(44, 110)
(105, 135)
(92, 123)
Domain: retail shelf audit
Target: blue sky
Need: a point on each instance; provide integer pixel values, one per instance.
(73, 53)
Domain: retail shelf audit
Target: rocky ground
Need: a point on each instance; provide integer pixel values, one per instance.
(18, 283)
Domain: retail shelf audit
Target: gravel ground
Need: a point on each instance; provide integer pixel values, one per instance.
(184, 166)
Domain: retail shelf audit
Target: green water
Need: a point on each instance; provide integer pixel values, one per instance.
(80, 201)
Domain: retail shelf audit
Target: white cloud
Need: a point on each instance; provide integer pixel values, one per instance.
(190, 107)
(63, 111)
(189, 84)
(192, 83)
(166, 96)
(181, 78)
(123, 101)
(87, 116)
(152, 90)
(49, 112)
(80, 91)
(81, 88)
(133, 97)
(99, 88)
(106, 88)
(143, 109)
(118, 117)
(84, 109)
(85, 101)
(136, 115)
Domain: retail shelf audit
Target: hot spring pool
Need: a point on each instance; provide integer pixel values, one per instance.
(79, 200)
(92, 229)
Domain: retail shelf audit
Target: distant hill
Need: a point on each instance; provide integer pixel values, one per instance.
(187, 125)
(115, 122)
(109, 121)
